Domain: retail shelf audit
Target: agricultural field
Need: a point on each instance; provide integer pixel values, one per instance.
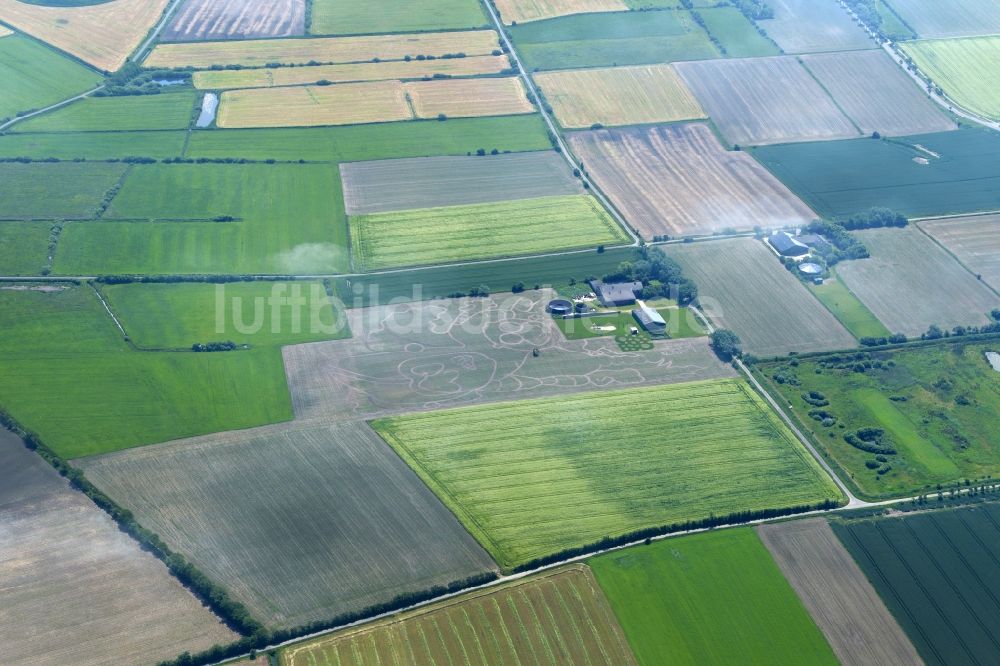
(847, 308)
(5, 31)
(708, 598)
(236, 19)
(302, 106)
(468, 97)
(45, 191)
(26, 247)
(523, 11)
(618, 96)
(176, 316)
(738, 37)
(35, 77)
(743, 287)
(93, 145)
(270, 77)
(175, 218)
(681, 323)
(345, 524)
(609, 40)
(966, 69)
(261, 52)
(765, 100)
(955, 18)
(407, 357)
(334, 17)
(947, 173)
(457, 233)
(678, 180)
(910, 283)
(974, 241)
(937, 572)
(936, 407)
(562, 473)
(115, 114)
(555, 618)
(424, 182)
(836, 593)
(67, 374)
(63, 559)
(876, 94)
(102, 35)
(808, 26)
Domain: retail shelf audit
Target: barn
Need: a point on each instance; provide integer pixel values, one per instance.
(650, 320)
(787, 245)
(616, 293)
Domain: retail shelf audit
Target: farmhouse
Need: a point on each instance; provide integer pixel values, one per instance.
(787, 245)
(618, 293)
(649, 319)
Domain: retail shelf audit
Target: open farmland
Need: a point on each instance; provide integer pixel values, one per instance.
(75, 589)
(456, 233)
(765, 100)
(564, 472)
(738, 37)
(968, 70)
(5, 31)
(839, 598)
(424, 182)
(344, 524)
(975, 241)
(102, 34)
(946, 173)
(468, 97)
(50, 191)
(559, 617)
(743, 287)
(807, 26)
(300, 106)
(846, 307)
(937, 406)
(26, 247)
(678, 180)
(446, 353)
(335, 17)
(910, 283)
(618, 96)
(35, 77)
(937, 572)
(955, 18)
(270, 77)
(150, 112)
(261, 52)
(708, 598)
(236, 19)
(876, 94)
(523, 11)
(93, 145)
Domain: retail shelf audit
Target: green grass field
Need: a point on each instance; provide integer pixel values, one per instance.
(145, 112)
(480, 231)
(939, 407)
(35, 76)
(67, 374)
(176, 316)
(736, 33)
(93, 145)
(25, 247)
(565, 472)
(45, 191)
(715, 598)
(847, 308)
(333, 17)
(681, 323)
(967, 69)
(288, 219)
(419, 138)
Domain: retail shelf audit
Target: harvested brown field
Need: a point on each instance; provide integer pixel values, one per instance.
(303, 106)
(975, 241)
(876, 94)
(269, 77)
(468, 97)
(236, 19)
(758, 101)
(522, 11)
(103, 35)
(258, 53)
(619, 96)
(74, 589)
(835, 591)
(678, 180)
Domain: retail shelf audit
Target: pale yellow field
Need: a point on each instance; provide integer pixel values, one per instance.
(301, 106)
(619, 96)
(4, 32)
(324, 49)
(523, 11)
(102, 35)
(468, 97)
(365, 71)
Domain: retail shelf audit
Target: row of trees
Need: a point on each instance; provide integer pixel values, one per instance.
(660, 275)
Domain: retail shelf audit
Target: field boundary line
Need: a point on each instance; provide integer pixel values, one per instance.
(53, 107)
(955, 256)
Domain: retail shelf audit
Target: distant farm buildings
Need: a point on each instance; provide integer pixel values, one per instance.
(649, 319)
(560, 307)
(618, 293)
(787, 245)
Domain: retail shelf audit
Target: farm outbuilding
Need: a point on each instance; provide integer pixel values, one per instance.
(809, 268)
(617, 293)
(649, 319)
(787, 245)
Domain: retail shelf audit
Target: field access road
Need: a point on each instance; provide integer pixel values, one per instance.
(14, 121)
(140, 53)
